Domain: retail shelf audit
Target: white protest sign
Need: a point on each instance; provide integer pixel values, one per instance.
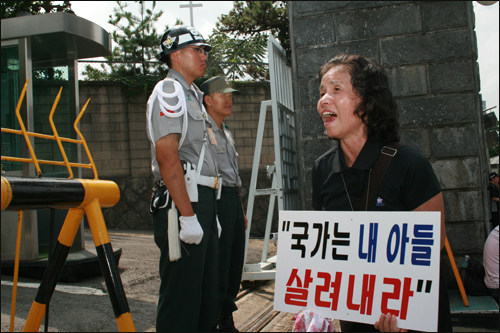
(355, 266)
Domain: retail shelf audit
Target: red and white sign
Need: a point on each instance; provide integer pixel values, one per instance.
(354, 266)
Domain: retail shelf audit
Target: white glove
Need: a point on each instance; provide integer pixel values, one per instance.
(191, 231)
(219, 228)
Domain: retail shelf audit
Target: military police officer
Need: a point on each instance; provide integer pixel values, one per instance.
(185, 169)
(218, 101)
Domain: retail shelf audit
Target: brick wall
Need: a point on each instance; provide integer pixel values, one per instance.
(105, 126)
(429, 50)
(115, 131)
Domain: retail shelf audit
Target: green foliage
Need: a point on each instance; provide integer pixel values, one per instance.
(494, 151)
(138, 85)
(133, 85)
(138, 44)
(253, 18)
(233, 52)
(50, 74)
(136, 37)
(11, 8)
(241, 37)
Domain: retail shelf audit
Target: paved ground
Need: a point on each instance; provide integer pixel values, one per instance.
(91, 310)
(85, 306)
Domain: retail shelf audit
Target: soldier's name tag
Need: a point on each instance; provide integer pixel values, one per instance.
(211, 135)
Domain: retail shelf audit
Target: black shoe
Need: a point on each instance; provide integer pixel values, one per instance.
(226, 324)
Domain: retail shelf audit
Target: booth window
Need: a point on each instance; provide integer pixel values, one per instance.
(11, 143)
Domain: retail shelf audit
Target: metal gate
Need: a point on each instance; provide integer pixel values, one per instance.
(284, 173)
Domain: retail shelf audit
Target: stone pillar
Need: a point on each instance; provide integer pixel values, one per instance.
(429, 51)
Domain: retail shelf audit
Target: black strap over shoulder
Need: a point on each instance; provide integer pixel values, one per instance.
(378, 173)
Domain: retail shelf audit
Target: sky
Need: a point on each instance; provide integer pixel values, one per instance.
(205, 18)
(487, 43)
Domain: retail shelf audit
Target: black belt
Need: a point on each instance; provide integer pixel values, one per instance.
(229, 189)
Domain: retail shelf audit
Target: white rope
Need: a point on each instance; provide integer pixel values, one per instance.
(167, 109)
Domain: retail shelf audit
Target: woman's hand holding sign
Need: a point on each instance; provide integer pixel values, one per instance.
(388, 323)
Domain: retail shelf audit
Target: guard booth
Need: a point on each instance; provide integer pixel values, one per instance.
(44, 48)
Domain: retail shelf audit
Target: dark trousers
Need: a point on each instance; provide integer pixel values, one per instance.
(494, 220)
(232, 247)
(189, 298)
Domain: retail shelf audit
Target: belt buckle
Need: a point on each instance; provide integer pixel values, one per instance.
(216, 182)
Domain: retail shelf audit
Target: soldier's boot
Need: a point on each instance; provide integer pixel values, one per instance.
(226, 323)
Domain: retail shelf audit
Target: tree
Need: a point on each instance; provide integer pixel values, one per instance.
(241, 38)
(138, 42)
(12, 8)
(254, 18)
(228, 55)
(137, 39)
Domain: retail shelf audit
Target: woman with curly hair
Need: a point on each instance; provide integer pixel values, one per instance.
(360, 113)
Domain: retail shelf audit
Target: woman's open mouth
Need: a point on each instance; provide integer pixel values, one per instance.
(328, 117)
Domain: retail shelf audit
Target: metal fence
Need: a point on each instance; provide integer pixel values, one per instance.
(235, 70)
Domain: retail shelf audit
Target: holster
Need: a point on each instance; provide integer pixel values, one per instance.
(159, 199)
(219, 188)
(190, 178)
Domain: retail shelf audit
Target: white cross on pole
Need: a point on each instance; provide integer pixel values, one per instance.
(191, 6)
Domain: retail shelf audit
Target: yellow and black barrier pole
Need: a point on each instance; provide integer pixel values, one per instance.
(108, 265)
(79, 196)
(16, 269)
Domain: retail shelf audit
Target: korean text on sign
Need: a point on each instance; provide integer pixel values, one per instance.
(356, 265)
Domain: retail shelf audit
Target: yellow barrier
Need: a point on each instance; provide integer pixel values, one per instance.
(85, 196)
(55, 137)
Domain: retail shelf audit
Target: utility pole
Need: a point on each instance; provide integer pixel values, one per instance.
(191, 6)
